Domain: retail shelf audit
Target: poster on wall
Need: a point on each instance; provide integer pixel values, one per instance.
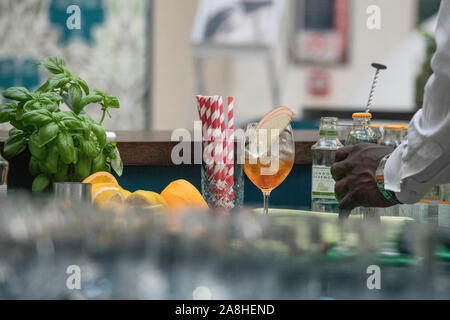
(237, 23)
(107, 49)
(320, 34)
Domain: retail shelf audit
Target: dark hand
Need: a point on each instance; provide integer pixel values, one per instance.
(354, 171)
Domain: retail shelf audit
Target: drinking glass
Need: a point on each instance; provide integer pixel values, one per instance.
(268, 158)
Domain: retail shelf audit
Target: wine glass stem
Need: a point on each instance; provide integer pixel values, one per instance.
(266, 195)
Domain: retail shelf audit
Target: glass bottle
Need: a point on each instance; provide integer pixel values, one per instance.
(323, 155)
(376, 131)
(4, 167)
(393, 135)
(362, 132)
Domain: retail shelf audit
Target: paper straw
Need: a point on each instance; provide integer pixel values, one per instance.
(230, 147)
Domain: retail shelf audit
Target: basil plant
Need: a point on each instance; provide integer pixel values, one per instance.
(64, 145)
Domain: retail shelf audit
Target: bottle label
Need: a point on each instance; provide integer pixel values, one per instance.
(322, 182)
(3, 190)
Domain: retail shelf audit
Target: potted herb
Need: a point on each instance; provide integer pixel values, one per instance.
(62, 145)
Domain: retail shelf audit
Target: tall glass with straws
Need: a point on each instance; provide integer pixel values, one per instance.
(268, 157)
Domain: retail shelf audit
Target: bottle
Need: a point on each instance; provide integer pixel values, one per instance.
(393, 135)
(4, 167)
(323, 153)
(376, 131)
(362, 132)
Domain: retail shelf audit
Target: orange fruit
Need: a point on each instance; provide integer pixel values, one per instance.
(100, 177)
(181, 194)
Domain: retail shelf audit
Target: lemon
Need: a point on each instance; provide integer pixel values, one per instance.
(143, 198)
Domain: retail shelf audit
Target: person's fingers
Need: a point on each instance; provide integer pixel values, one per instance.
(341, 188)
(342, 154)
(347, 203)
(338, 170)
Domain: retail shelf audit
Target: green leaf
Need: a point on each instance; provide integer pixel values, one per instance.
(100, 134)
(116, 161)
(35, 149)
(99, 162)
(75, 96)
(51, 161)
(112, 102)
(63, 172)
(83, 168)
(40, 183)
(17, 93)
(54, 65)
(90, 99)
(14, 146)
(82, 84)
(48, 133)
(52, 96)
(89, 148)
(7, 111)
(73, 124)
(37, 118)
(66, 148)
(33, 167)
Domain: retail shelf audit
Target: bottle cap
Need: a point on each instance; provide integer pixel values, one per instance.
(393, 126)
(362, 115)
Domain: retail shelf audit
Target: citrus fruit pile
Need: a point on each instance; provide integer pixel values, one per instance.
(178, 195)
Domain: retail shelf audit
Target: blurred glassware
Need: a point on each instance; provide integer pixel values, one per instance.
(75, 191)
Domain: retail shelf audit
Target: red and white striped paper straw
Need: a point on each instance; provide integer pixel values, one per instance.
(230, 148)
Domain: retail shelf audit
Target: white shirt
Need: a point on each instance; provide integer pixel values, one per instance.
(424, 159)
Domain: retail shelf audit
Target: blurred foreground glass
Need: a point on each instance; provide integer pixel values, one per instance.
(74, 191)
(268, 158)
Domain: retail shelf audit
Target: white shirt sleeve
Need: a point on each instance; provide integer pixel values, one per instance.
(424, 159)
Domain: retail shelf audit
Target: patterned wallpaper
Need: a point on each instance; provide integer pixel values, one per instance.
(108, 51)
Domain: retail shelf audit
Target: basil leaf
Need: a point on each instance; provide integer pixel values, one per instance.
(89, 99)
(75, 96)
(99, 162)
(37, 118)
(51, 161)
(48, 133)
(66, 148)
(16, 133)
(116, 161)
(82, 84)
(100, 134)
(72, 124)
(7, 111)
(89, 148)
(35, 149)
(33, 166)
(52, 96)
(40, 183)
(17, 93)
(83, 168)
(63, 172)
(112, 102)
(54, 65)
(14, 146)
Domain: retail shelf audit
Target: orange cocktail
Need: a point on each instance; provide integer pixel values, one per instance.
(267, 182)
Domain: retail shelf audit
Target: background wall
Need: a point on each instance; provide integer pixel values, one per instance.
(397, 44)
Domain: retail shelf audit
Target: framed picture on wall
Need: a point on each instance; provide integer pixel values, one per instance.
(237, 23)
(320, 34)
